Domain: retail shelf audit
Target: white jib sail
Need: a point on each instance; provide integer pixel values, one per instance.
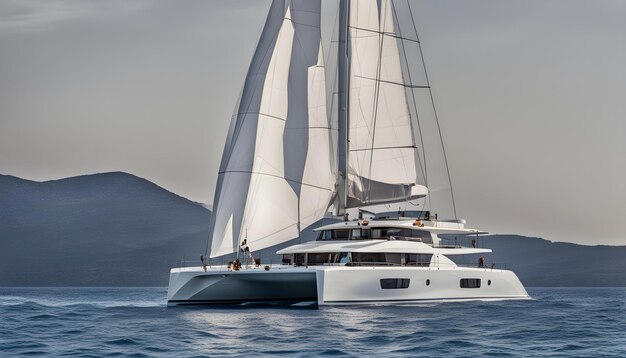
(382, 154)
(270, 182)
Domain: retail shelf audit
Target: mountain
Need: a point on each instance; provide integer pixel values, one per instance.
(539, 262)
(110, 229)
(116, 229)
(561, 263)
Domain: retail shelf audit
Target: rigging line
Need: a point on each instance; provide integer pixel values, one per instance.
(275, 176)
(390, 34)
(432, 100)
(263, 114)
(419, 127)
(300, 23)
(300, 128)
(394, 83)
(380, 148)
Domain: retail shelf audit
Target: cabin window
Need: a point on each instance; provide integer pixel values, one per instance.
(470, 283)
(318, 259)
(341, 258)
(398, 233)
(325, 235)
(393, 259)
(286, 259)
(368, 258)
(298, 259)
(367, 233)
(378, 234)
(422, 260)
(343, 234)
(409, 235)
(361, 234)
(393, 283)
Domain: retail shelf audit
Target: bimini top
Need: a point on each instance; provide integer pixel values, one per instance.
(376, 246)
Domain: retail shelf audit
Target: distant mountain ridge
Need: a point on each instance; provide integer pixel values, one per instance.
(109, 229)
(116, 229)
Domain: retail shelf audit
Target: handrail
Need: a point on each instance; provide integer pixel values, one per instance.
(223, 262)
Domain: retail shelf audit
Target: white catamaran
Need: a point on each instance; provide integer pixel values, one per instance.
(295, 151)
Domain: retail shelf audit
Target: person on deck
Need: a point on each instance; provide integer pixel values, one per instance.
(203, 263)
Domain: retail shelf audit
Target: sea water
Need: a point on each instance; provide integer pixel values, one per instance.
(108, 322)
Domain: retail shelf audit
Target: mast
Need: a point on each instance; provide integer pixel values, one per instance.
(343, 64)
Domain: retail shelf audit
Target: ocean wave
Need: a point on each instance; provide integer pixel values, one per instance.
(125, 322)
(97, 304)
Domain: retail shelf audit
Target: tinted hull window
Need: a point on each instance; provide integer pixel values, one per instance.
(393, 283)
(470, 283)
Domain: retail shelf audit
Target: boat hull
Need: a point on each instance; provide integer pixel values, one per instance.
(223, 286)
(340, 285)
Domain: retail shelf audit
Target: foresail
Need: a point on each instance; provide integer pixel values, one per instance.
(272, 180)
(382, 153)
(319, 177)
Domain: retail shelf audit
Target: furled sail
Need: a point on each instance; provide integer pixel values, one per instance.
(382, 157)
(276, 175)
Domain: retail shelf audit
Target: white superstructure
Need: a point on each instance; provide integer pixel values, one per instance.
(355, 262)
(304, 139)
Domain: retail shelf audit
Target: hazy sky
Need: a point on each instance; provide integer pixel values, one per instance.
(531, 97)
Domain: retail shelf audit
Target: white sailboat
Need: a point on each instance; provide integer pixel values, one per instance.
(285, 165)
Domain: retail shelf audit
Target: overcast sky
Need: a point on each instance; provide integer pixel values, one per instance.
(531, 97)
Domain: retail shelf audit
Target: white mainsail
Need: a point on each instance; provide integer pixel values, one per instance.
(276, 176)
(278, 173)
(382, 155)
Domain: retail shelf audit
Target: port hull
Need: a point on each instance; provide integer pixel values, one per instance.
(223, 286)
